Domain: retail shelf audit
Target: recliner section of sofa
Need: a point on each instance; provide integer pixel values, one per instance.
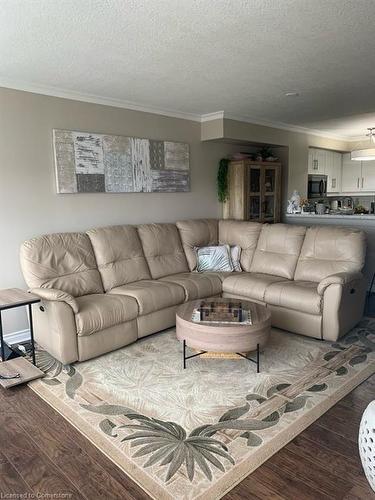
(104, 289)
(66, 264)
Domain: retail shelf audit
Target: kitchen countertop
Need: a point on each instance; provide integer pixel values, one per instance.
(333, 216)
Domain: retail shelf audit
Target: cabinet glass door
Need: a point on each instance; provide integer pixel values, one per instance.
(269, 207)
(254, 180)
(268, 194)
(254, 201)
(254, 208)
(269, 180)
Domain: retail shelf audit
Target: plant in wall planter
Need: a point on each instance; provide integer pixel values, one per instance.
(222, 180)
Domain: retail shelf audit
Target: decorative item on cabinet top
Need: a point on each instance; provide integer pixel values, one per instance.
(100, 163)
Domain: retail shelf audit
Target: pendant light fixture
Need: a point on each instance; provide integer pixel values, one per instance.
(368, 153)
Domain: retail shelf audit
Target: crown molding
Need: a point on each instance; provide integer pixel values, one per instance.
(201, 118)
(208, 117)
(96, 99)
(286, 126)
(358, 138)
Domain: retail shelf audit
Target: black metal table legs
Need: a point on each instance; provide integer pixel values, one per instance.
(256, 361)
(32, 333)
(189, 357)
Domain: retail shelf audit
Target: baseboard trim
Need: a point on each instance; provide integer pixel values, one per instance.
(17, 337)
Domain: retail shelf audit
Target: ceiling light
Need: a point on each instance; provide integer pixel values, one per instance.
(291, 94)
(368, 153)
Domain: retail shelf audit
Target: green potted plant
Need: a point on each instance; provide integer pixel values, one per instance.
(222, 180)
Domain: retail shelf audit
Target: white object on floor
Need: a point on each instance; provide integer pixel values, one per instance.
(366, 443)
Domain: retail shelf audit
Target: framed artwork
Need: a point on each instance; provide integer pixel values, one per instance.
(100, 163)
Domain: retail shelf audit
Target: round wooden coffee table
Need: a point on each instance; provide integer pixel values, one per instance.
(223, 337)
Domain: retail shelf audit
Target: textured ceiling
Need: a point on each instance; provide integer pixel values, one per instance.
(202, 56)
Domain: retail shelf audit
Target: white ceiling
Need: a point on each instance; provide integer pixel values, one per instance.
(201, 56)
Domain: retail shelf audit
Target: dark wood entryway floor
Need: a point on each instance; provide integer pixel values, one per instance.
(41, 453)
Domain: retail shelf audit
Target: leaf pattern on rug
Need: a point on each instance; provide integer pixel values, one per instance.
(107, 427)
(167, 444)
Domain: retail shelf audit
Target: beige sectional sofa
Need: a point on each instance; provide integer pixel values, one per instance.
(105, 288)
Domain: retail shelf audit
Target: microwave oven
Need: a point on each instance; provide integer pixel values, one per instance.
(317, 187)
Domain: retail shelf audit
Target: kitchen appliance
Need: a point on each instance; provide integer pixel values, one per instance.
(317, 186)
(334, 205)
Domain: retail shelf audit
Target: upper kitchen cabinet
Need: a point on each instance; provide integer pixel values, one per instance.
(317, 161)
(368, 176)
(329, 163)
(333, 166)
(357, 176)
(351, 175)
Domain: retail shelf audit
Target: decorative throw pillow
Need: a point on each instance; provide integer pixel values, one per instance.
(214, 258)
(235, 254)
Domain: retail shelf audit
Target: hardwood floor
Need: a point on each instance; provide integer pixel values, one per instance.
(42, 454)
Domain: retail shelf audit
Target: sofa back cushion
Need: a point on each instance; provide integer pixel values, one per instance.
(119, 255)
(65, 261)
(197, 233)
(329, 250)
(278, 249)
(163, 249)
(242, 233)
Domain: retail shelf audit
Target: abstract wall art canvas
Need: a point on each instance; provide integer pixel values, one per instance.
(99, 163)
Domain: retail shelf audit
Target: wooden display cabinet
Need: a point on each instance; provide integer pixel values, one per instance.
(254, 191)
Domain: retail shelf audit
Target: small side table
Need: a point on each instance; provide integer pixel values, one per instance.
(15, 297)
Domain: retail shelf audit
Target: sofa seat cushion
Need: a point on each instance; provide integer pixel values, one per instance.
(196, 285)
(249, 285)
(222, 275)
(100, 311)
(152, 295)
(298, 295)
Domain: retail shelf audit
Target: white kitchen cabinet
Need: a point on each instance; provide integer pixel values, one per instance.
(351, 175)
(343, 174)
(317, 161)
(368, 176)
(357, 176)
(333, 166)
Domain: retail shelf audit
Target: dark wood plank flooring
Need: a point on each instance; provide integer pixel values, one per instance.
(42, 454)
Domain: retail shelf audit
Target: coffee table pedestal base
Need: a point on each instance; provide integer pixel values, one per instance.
(256, 361)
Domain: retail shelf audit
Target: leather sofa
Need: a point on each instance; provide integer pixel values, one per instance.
(110, 286)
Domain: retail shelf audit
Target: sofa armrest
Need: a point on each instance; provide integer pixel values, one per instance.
(338, 279)
(56, 295)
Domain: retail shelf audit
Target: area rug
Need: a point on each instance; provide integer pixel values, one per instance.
(196, 433)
